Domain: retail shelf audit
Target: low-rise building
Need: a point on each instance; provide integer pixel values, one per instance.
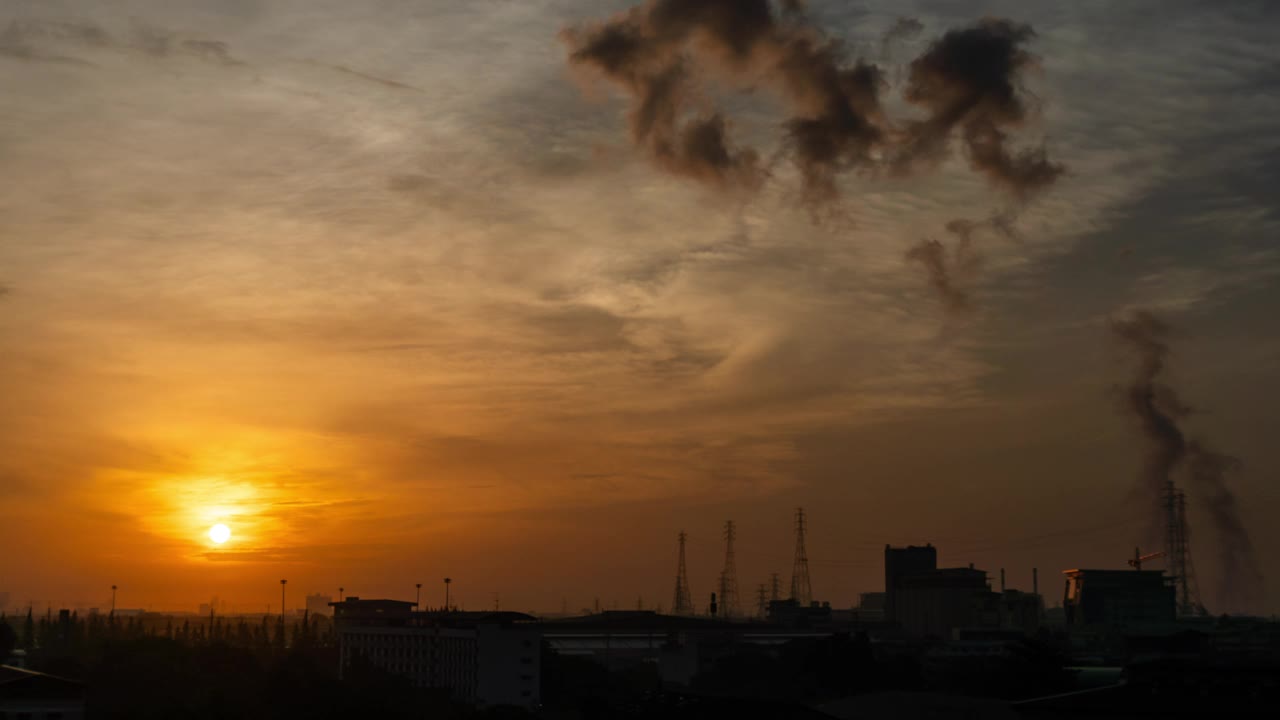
(485, 658)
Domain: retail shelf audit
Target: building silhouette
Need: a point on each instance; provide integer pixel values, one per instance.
(1119, 598)
(900, 563)
(484, 658)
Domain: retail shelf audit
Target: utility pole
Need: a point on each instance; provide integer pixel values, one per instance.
(113, 600)
(417, 596)
(447, 582)
(282, 584)
(762, 600)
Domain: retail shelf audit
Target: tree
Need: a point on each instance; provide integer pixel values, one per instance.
(29, 632)
(8, 639)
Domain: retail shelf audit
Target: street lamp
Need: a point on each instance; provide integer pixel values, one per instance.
(340, 593)
(282, 584)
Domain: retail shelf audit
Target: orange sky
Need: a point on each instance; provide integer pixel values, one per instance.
(436, 316)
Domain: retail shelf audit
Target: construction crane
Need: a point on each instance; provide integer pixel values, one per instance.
(1139, 558)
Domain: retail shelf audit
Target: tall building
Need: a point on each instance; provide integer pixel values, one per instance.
(484, 658)
(900, 563)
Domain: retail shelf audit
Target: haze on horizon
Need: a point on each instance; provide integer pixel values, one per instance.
(388, 289)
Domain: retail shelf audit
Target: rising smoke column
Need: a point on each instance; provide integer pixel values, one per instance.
(969, 82)
(1156, 407)
(949, 272)
(1159, 412)
(1241, 587)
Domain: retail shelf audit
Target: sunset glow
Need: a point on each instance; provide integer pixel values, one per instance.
(365, 294)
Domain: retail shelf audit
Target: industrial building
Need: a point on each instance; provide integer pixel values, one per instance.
(484, 658)
(927, 601)
(898, 564)
(1119, 598)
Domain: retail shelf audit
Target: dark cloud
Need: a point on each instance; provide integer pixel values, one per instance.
(21, 38)
(1159, 412)
(659, 52)
(160, 42)
(29, 39)
(969, 82)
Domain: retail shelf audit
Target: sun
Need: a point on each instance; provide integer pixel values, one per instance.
(219, 534)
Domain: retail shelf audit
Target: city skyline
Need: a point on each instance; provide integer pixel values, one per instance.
(390, 301)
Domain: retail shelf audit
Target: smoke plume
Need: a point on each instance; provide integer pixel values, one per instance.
(661, 51)
(969, 82)
(658, 51)
(932, 256)
(1159, 412)
(948, 273)
(1241, 588)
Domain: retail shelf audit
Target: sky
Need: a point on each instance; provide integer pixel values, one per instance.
(396, 291)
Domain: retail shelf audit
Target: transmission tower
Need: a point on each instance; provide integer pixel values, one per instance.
(1179, 553)
(775, 588)
(762, 601)
(801, 592)
(729, 578)
(683, 603)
